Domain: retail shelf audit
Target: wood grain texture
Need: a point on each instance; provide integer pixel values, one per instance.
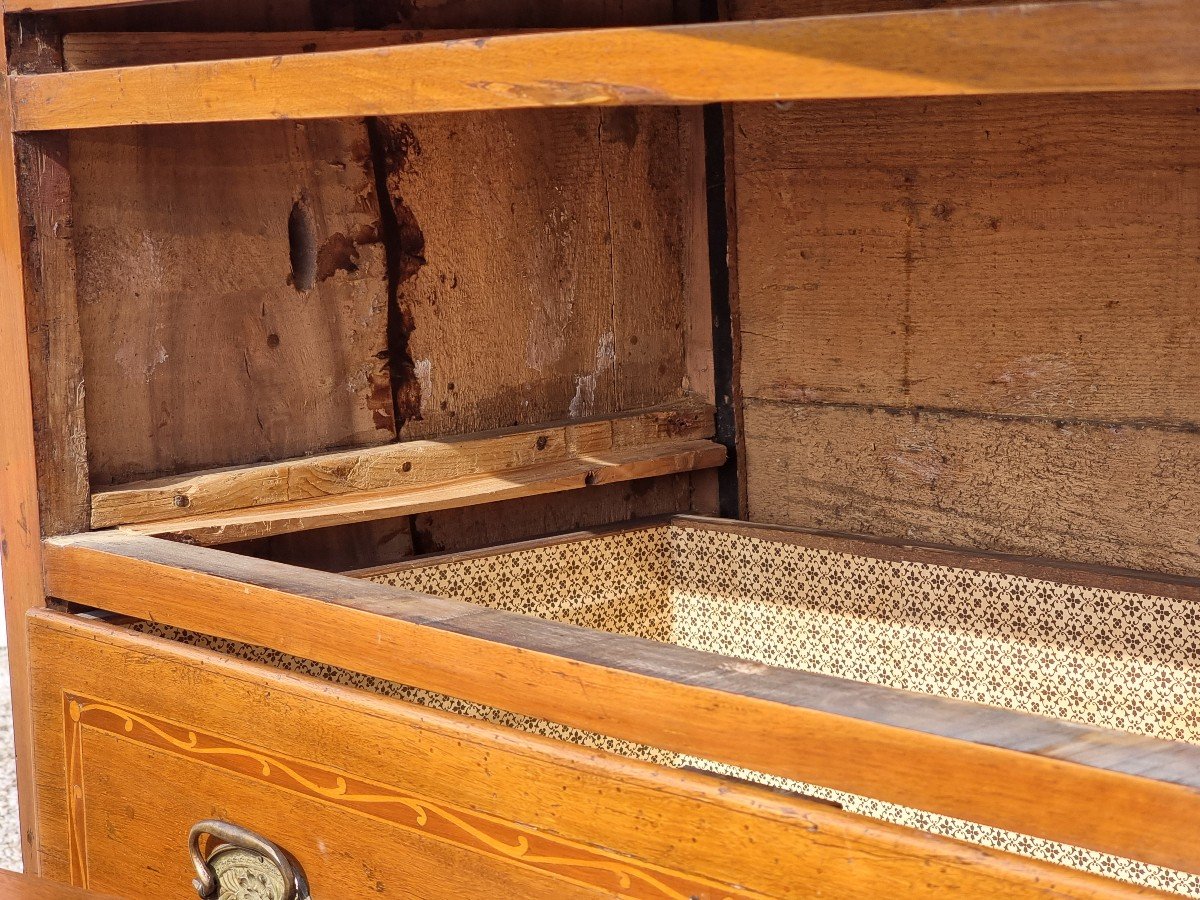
(1011, 770)
(1116, 496)
(26, 887)
(155, 15)
(1004, 256)
(408, 464)
(52, 317)
(1047, 48)
(51, 308)
(575, 800)
(20, 526)
(21, 6)
(555, 244)
(200, 347)
(583, 471)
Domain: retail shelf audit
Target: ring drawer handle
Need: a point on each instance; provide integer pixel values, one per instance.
(243, 856)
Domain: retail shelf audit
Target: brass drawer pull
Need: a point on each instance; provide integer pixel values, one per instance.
(243, 866)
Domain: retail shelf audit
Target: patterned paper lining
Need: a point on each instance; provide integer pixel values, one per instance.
(1102, 657)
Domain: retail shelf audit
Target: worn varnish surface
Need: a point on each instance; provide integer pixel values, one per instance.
(586, 818)
(971, 321)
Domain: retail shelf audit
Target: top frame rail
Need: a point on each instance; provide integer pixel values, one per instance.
(1064, 47)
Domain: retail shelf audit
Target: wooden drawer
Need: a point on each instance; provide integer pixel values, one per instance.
(372, 796)
(376, 796)
(371, 791)
(339, 284)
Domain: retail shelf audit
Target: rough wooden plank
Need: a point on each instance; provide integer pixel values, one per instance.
(408, 464)
(1056, 47)
(232, 294)
(55, 351)
(1015, 256)
(580, 315)
(679, 821)
(51, 310)
(585, 470)
(1117, 496)
(997, 767)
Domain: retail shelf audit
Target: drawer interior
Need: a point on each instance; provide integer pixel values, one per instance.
(1076, 646)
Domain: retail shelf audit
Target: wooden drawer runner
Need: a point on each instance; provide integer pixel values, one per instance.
(378, 797)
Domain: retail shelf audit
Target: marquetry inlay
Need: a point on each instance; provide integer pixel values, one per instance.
(521, 845)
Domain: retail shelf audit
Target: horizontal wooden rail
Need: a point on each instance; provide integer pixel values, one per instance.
(1108, 791)
(1097, 45)
(406, 465)
(576, 472)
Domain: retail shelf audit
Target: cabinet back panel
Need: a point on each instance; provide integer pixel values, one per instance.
(973, 322)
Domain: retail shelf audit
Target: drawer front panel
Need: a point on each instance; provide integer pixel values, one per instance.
(179, 737)
(140, 737)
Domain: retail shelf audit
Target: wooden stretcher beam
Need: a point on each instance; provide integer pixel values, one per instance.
(1100, 45)
(580, 471)
(1025, 773)
(406, 465)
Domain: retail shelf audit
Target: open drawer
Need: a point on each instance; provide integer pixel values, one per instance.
(900, 683)
(298, 288)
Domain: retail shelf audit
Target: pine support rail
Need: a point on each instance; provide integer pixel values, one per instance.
(240, 503)
(1084, 46)
(1034, 775)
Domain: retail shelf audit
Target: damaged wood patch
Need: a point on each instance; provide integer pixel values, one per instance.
(392, 144)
